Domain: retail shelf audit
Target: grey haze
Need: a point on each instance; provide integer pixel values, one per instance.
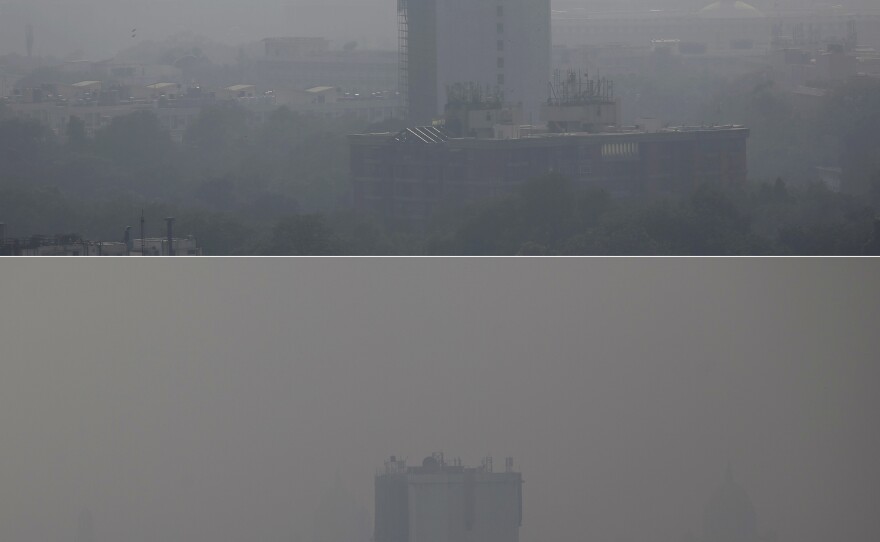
(222, 400)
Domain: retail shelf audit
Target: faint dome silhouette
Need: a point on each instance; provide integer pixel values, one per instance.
(730, 9)
(729, 515)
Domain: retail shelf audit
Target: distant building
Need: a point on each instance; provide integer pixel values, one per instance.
(406, 177)
(726, 26)
(7, 82)
(237, 91)
(721, 29)
(729, 515)
(157, 91)
(75, 245)
(480, 154)
(295, 48)
(498, 44)
(439, 502)
(176, 107)
(303, 63)
(332, 102)
(158, 246)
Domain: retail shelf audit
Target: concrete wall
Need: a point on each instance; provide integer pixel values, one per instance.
(494, 43)
(436, 505)
(497, 507)
(448, 505)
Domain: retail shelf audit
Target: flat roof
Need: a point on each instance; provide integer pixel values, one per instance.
(667, 134)
(804, 90)
(239, 87)
(296, 38)
(86, 83)
(157, 86)
(320, 89)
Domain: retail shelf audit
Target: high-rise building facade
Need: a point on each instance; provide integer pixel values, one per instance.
(502, 45)
(440, 502)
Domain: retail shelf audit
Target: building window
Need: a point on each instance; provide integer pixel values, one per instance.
(620, 151)
(500, 62)
(500, 28)
(501, 11)
(500, 78)
(500, 45)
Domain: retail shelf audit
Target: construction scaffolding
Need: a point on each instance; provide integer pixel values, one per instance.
(474, 95)
(576, 88)
(403, 53)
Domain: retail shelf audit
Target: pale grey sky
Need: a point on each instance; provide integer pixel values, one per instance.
(97, 29)
(100, 28)
(217, 400)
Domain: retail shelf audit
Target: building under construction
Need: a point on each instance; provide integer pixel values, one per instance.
(442, 502)
(502, 44)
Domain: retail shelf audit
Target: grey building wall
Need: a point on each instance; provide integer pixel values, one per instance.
(504, 44)
(422, 64)
(448, 504)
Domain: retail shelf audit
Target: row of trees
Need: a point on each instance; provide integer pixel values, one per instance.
(230, 180)
(550, 216)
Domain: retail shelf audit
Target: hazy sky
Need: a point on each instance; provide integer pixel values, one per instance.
(218, 400)
(100, 28)
(97, 29)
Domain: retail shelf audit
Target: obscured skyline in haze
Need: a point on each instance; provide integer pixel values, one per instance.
(98, 29)
(223, 400)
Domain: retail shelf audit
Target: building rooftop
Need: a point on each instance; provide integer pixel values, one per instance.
(422, 134)
(435, 135)
(730, 9)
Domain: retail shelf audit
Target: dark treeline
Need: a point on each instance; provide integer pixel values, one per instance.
(550, 217)
(230, 182)
(280, 186)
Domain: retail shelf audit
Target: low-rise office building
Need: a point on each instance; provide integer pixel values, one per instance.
(405, 177)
